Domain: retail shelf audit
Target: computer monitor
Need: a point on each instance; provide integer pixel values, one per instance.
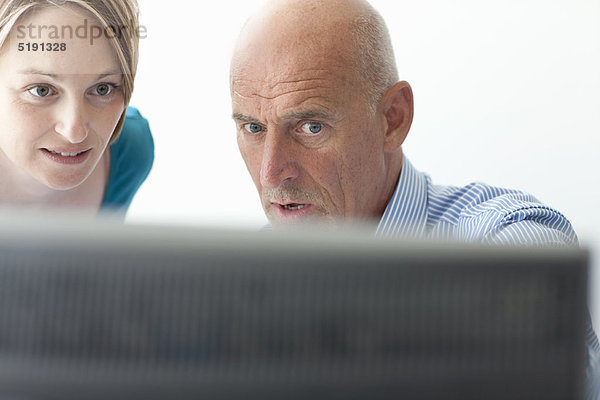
(104, 311)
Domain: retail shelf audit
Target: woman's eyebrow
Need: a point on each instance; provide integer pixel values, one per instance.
(33, 71)
(109, 73)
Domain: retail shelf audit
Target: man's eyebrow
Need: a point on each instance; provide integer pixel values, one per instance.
(309, 114)
(299, 115)
(242, 118)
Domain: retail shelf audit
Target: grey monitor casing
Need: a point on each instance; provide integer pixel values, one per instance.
(104, 311)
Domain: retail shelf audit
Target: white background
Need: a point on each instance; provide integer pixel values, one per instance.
(507, 93)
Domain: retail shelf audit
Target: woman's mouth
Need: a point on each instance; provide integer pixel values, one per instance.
(65, 154)
(67, 157)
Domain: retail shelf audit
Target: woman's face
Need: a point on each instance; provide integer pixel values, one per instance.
(60, 103)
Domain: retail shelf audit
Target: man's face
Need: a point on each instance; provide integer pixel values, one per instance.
(312, 145)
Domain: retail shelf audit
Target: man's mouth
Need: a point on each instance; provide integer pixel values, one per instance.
(293, 206)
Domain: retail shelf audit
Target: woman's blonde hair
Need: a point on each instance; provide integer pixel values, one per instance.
(112, 15)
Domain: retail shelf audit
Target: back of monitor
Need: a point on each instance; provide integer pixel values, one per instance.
(152, 313)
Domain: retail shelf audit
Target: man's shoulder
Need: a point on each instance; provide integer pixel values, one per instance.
(477, 198)
(481, 212)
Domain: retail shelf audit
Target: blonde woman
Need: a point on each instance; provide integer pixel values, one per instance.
(67, 138)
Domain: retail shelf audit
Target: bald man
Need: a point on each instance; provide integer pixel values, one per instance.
(317, 140)
(321, 117)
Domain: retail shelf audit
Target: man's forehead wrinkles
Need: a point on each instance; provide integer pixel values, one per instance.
(309, 108)
(283, 75)
(316, 109)
(276, 95)
(286, 72)
(275, 84)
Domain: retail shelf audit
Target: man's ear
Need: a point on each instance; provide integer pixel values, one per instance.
(398, 109)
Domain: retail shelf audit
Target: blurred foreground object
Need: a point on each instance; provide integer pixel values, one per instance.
(98, 310)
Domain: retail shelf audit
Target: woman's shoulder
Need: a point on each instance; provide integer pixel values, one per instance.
(135, 134)
(131, 159)
(135, 146)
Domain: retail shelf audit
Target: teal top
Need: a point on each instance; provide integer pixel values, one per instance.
(131, 158)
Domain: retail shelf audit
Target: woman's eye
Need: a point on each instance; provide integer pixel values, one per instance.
(103, 89)
(253, 128)
(41, 91)
(312, 128)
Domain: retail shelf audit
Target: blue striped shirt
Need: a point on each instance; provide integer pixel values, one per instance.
(474, 213)
(484, 214)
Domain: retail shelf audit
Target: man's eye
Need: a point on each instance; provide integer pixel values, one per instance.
(253, 128)
(312, 128)
(103, 89)
(41, 91)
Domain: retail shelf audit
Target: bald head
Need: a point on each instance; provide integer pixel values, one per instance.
(320, 115)
(345, 33)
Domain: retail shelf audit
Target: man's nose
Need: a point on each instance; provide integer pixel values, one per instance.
(71, 121)
(279, 160)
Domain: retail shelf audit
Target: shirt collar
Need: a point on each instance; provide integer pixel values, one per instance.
(406, 212)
